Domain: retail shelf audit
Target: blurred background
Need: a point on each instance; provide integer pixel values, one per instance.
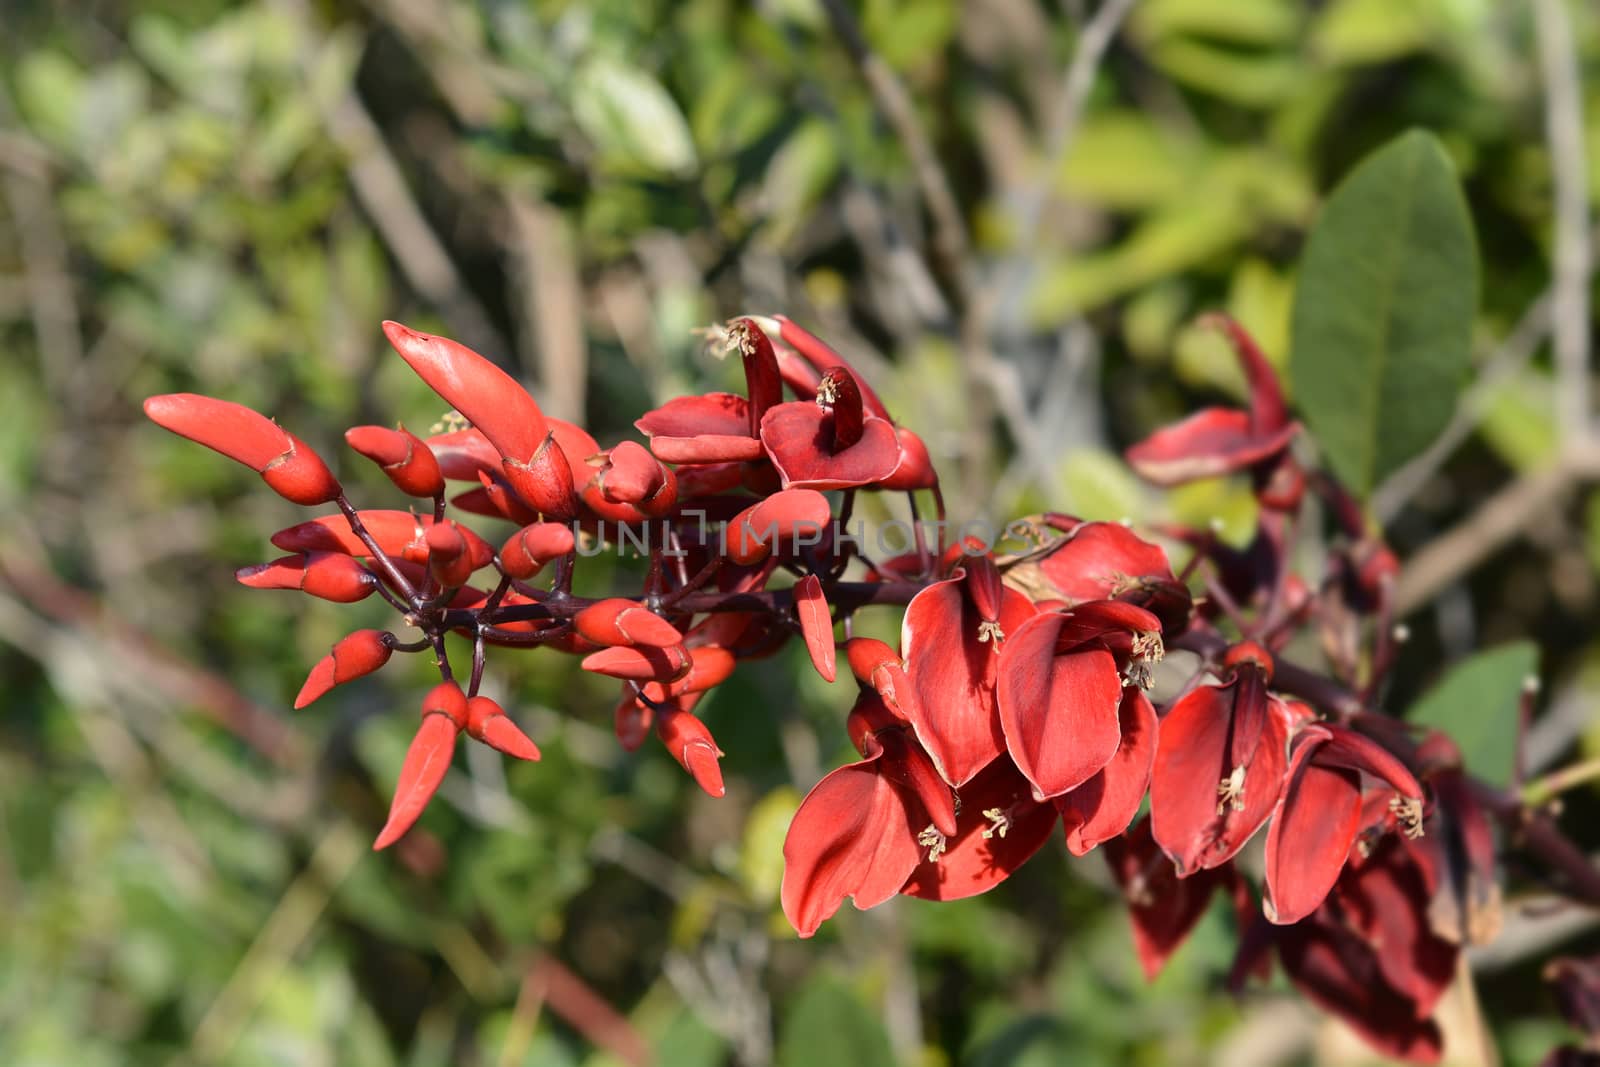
(1006, 212)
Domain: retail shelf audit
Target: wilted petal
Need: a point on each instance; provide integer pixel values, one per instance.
(1102, 807)
(1162, 907)
(1339, 973)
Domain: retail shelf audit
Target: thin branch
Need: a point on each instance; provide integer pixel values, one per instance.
(1497, 521)
(1558, 63)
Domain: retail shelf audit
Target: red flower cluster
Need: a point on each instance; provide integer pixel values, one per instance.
(1016, 701)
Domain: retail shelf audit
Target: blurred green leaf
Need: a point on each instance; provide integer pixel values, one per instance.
(632, 118)
(1371, 31)
(828, 1024)
(1476, 703)
(1383, 310)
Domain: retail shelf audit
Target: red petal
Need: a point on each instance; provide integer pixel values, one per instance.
(914, 469)
(1207, 444)
(464, 454)
(491, 399)
(816, 623)
(1058, 713)
(1102, 807)
(1104, 560)
(851, 837)
(790, 517)
(865, 655)
(824, 359)
(973, 863)
(798, 437)
(1311, 837)
(761, 378)
(1267, 407)
(1192, 760)
(1385, 900)
(426, 763)
(713, 428)
(954, 677)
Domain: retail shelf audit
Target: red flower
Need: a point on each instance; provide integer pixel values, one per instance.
(999, 828)
(952, 658)
(1322, 814)
(833, 443)
(1220, 765)
(1216, 441)
(1369, 955)
(286, 463)
(1060, 688)
(860, 832)
(1105, 561)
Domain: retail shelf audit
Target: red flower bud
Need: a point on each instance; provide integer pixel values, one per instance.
(692, 745)
(526, 552)
(354, 656)
(327, 575)
(487, 722)
(397, 533)
(444, 714)
(448, 559)
(496, 405)
(545, 481)
(402, 455)
(619, 621)
(644, 663)
(789, 517)
(287, 464)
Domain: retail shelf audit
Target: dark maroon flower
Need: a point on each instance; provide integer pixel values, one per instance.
(1162, 907)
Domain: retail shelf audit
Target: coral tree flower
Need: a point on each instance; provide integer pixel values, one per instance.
(832, 443)
(861, 831)
(1322, 814)
(1060, 692)
(1162, 907)
(1103, 561)
(1216, 441)
(1220, 764)
(1369, 955)
(953, 660)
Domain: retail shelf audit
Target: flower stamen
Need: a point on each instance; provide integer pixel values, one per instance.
(1408, 812)
(935, 842)
(1230, 791)
(1001, 820)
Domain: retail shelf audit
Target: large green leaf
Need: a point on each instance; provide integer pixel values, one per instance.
(1383, 311)
(1477, 702)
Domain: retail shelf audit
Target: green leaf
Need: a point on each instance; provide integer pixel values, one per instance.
(632, 118)
(829, 1024)
(1476, 703)
(1382, 324)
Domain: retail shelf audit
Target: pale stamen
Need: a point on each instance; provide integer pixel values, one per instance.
(990, 630)
(1001, 821)
(1408, 812)
(1230, 791)
(932, 840)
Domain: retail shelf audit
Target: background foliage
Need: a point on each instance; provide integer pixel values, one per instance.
(226, 198)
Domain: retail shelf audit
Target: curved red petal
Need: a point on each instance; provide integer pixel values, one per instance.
(798, 437)
(851, 837)
(1207, 444)
(1311, 836)
(1058, 713)
(1102, 807)
(953, 675)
